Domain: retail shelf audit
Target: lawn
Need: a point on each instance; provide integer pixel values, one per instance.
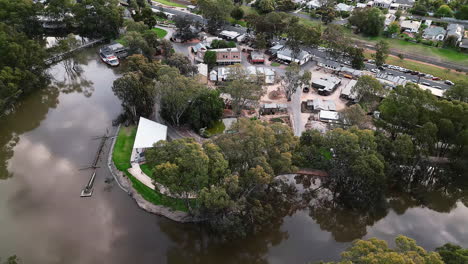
(275, 64)
(161, 32)
(123, 147)
(121, 157)
(239, 22)
(425, 68)
(169, 3)
(217, 128)
(146, 169)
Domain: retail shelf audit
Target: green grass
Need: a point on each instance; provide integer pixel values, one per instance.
(239, 22)
(248, 10)
(169, 3)
(146, 169)
(155, 197)
(418, 48)
(121, 158)
(123, 147)
(442, 73)
(275, 64)
(312, 23)
(161, 32)
(217, 128)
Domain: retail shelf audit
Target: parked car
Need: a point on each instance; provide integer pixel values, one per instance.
(389, 73)
(402, 77)
(426, 83)
(449, 82)
(438, 87)
(435, 78)
(381, 68)
(374, 70)
(371, 61)
(414, 73)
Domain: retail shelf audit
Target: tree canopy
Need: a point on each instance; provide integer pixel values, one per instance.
(369, 21)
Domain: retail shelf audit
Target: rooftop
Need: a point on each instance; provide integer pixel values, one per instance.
(148, 133)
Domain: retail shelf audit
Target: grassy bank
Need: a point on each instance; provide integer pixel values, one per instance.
(160, 32)
(442, 73)
(121, 158)
(449, 55)
(169, 3)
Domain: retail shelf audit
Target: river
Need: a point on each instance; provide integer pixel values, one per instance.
(49, 138)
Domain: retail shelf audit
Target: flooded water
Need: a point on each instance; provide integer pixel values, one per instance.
(49, 138)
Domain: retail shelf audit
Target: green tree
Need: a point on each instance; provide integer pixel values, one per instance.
(207, 109)
(98, 18)
(302, 35)
(266, 6)
(21, 15)
(369, 21)
(382, 50)
(368, 89)
(451, 41)
(285, 5)
(293, 79)
(137, 95)
(357, 57)
(419, 9)
(237, 13)
(131, 25)
(336, 41)
(459, 91)
(453, 254)
(241, 88)
(181, 165)
(444, 11)
(374, 250)
(22, 67)
(148, 17)
(210, 58)
(137, 44)
(462, 13)
(216, 11)
(178, 93)
(355, 116)
(393, 28)
(328, 14)
(184, 28)
(182, 63)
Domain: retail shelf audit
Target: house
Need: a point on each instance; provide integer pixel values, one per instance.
(404, 4)
(274, 50)
(199, 47)
(273, 108)
(287, 55)
(410, 26)
(318, 104)
(456, 30)
(314, 4)
(346, 72)
(361, 5)
(382, 3)
(223, 56)
(389, 18)
(326, 115)
(434, 33)
(148, 133)
(263, 74)
(213, 76)
(326, 86)
(346, 92)
(329, 64)
(343, 7)
(256, 57)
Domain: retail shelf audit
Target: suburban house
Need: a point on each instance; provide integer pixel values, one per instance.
(287, 55)
(223, 56)
(329, 64)
(434, 33)
(326, 86)
(229, 35)
(456, 30)
(148, 133)
(344, 7)
(382, 3)
(263, 74)
(389, 18)
(410, 26)
(273, 108)
(314, 4)
(404, 4)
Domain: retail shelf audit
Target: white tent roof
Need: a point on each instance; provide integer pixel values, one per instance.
(148, 133)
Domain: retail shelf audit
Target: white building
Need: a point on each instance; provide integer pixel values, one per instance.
(410, 26)
(382, 3)
(389, 18)
(347, 93)
(231, 35)
(287, 55)
(343, 7)
(456, 30)
(267, 75)
(148, 133)
(314, 4)
(326, 115)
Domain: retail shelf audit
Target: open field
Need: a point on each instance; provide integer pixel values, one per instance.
(169, 3)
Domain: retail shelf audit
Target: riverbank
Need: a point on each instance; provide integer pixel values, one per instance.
(145, 197)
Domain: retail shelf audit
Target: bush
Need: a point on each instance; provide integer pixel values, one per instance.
(277, 120)
(344, 14)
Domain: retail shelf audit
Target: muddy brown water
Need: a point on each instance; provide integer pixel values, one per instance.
(43, 220)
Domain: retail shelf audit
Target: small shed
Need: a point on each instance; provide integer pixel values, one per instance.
(148, 133)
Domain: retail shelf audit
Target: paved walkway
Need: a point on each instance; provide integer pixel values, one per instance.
(136, 171)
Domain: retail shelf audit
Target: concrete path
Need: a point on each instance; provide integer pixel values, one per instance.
(136, 171)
